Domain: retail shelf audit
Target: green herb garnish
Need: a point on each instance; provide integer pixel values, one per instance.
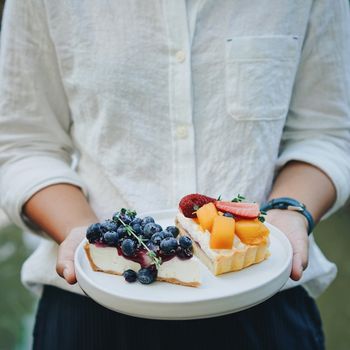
(262, 215)
(239, 198)
(156, 260)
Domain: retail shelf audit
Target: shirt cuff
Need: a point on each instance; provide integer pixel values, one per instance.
(20, 180)
(332, 160)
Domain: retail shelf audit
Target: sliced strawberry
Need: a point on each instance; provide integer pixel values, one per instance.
(243, 210)
(192, 202)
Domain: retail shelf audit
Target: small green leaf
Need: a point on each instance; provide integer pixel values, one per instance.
(261, 219)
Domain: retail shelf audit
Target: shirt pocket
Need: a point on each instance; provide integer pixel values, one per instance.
(260, 72)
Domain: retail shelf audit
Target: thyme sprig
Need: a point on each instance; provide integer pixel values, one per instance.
(157, 261)
(262, 215)
(239, 198)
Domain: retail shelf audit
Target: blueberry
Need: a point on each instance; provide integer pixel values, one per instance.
(168, 245)
(128, 247)
(121, 231)
(146, 220)
(136, 221)
(174, 230)
(137, 229)
(229, 215)
(146, 275)
(94, 233)
(184, 253)
(111, 238)
(158, 228)
(130, 275)
(109, 225)
(185, 242)
(167, 234)
(125, 218)
(152, 246)
(151, 228)
(157, 238)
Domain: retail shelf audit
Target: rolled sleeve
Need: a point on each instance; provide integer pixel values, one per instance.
(22, 179)
(321, 155)
(35, 144)
(317, 129)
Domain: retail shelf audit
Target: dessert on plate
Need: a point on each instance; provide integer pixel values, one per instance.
(139, 249)
(227, 235)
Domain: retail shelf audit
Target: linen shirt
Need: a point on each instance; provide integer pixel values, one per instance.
(164, 98)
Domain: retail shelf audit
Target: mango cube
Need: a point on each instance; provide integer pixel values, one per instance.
(222, 233)
(206, 215)
(251, 231)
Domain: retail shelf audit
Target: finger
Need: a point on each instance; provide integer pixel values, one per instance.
(297, 268)
(300, 257)
(65, 258)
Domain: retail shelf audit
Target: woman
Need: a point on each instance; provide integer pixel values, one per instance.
(157, 100)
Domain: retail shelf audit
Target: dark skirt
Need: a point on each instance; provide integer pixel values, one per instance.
(288, 320)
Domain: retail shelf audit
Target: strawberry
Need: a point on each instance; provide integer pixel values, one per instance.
(192, 202)
(240, 209)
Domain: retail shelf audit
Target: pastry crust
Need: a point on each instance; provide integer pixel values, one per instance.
(169, 280)
(230, 261)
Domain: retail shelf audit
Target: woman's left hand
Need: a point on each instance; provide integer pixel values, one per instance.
(294, 225)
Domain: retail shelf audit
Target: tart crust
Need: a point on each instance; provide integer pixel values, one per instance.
(234, 260)
(169, 280)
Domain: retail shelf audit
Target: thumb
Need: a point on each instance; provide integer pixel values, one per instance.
(66, 251)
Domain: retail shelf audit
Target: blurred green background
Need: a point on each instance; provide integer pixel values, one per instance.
(17, 305)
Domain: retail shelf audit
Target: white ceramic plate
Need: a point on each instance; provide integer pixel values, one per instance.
(218, 295)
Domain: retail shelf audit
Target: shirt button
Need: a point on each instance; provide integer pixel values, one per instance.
(180, 56)
(182, 132)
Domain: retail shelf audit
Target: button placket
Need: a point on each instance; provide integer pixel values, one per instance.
(181, 99)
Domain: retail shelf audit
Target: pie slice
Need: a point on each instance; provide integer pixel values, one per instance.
(227, 239)
(139, 249)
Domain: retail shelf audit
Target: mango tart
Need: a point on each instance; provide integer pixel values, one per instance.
(227, 235)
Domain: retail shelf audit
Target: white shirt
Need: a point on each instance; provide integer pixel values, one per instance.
(166, 98)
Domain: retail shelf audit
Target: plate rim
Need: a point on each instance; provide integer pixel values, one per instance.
(285, 266)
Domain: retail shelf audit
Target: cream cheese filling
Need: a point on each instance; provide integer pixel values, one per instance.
(108, 259)
(183, 270)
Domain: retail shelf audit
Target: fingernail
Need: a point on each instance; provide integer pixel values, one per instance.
(301, 270)
(65, 273)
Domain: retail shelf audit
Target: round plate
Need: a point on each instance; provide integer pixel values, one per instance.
(218, 295)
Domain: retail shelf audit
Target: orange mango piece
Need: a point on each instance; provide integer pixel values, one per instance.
(206, 215)
(251, 231)
(197, 222)
(222, 233)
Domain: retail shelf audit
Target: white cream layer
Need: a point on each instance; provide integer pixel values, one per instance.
(183, 270)
(107, 258)
(203, 237)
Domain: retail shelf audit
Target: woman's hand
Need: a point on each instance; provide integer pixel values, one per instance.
(66, 250)
(63, 212)
(294, 225)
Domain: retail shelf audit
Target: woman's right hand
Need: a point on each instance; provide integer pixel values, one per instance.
(65, 259)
